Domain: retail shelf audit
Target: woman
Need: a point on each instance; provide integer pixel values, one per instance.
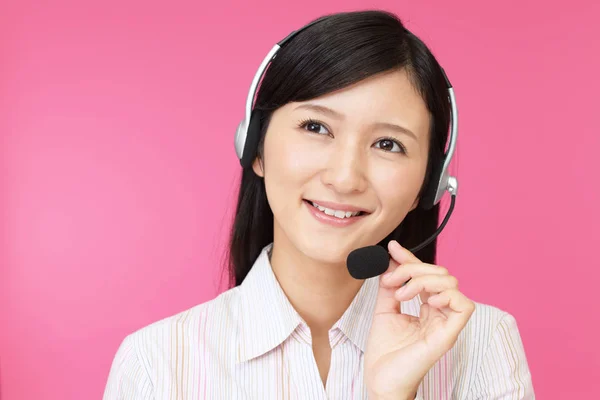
(352, 117)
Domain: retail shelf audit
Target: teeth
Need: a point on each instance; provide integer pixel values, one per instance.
(336, 213)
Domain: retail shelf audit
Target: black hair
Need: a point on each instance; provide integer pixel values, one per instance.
(337, 51)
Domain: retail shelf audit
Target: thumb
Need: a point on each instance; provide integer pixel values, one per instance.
(386, 302)
(400, 254)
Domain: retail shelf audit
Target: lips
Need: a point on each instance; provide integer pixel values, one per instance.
(340, 211)
(335, 213)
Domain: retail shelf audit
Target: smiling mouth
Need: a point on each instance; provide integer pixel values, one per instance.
(336, 213)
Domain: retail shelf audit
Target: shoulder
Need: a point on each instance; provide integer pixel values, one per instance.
(189, 323)
(150, 353)
(486, 320)
(486, 325)
(492, 348)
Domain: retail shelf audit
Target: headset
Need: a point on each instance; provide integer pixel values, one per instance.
(247, 138)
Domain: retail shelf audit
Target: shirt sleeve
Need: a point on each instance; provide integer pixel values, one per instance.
(504, 373)
(128, 378)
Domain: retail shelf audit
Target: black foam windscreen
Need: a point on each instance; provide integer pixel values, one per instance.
(367, 262)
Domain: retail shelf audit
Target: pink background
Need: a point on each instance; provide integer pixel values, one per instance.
(118, 171)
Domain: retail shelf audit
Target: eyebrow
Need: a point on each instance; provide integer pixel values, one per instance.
(339, 116)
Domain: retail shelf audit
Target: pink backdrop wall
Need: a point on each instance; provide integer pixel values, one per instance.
(118, 171)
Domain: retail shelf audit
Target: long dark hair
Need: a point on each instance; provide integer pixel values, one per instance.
(340, 50)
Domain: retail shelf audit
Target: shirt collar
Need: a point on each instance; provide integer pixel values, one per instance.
(355, 323)
(268, 318)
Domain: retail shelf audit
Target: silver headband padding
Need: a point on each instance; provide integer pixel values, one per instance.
(242, 130)
(447, 182)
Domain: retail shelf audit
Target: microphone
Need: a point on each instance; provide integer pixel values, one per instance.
(367, 262)
(370, 261)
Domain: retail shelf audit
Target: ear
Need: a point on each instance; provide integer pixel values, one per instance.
(257, 166)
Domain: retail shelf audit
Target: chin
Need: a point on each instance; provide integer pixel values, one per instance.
(325, 252)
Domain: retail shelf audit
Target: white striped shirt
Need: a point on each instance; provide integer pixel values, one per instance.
(250, 343)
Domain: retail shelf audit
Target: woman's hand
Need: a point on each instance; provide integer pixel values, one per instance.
(401, 349)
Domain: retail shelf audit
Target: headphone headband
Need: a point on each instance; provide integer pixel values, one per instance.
(247, 135)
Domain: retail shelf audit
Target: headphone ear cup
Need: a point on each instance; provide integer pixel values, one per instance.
(252, 139)
(427, 201)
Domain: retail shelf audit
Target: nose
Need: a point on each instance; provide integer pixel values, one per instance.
(345, 171)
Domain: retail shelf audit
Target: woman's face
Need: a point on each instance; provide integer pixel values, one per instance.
(362, 148)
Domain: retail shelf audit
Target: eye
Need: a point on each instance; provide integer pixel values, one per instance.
(391, 145)
(313, 126)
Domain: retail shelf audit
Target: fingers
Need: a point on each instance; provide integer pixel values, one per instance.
(386, 301)
(408, 277)
(409, 268)
(458, 303)
(433, 283)
(396, 277)
(426, 283)
(400, 254)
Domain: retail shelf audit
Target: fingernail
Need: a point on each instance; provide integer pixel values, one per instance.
(395, 243)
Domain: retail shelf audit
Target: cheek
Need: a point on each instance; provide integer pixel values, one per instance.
(289, 159)
(289, 166)
(398, 187)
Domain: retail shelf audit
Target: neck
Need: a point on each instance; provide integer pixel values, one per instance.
(319, 292)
